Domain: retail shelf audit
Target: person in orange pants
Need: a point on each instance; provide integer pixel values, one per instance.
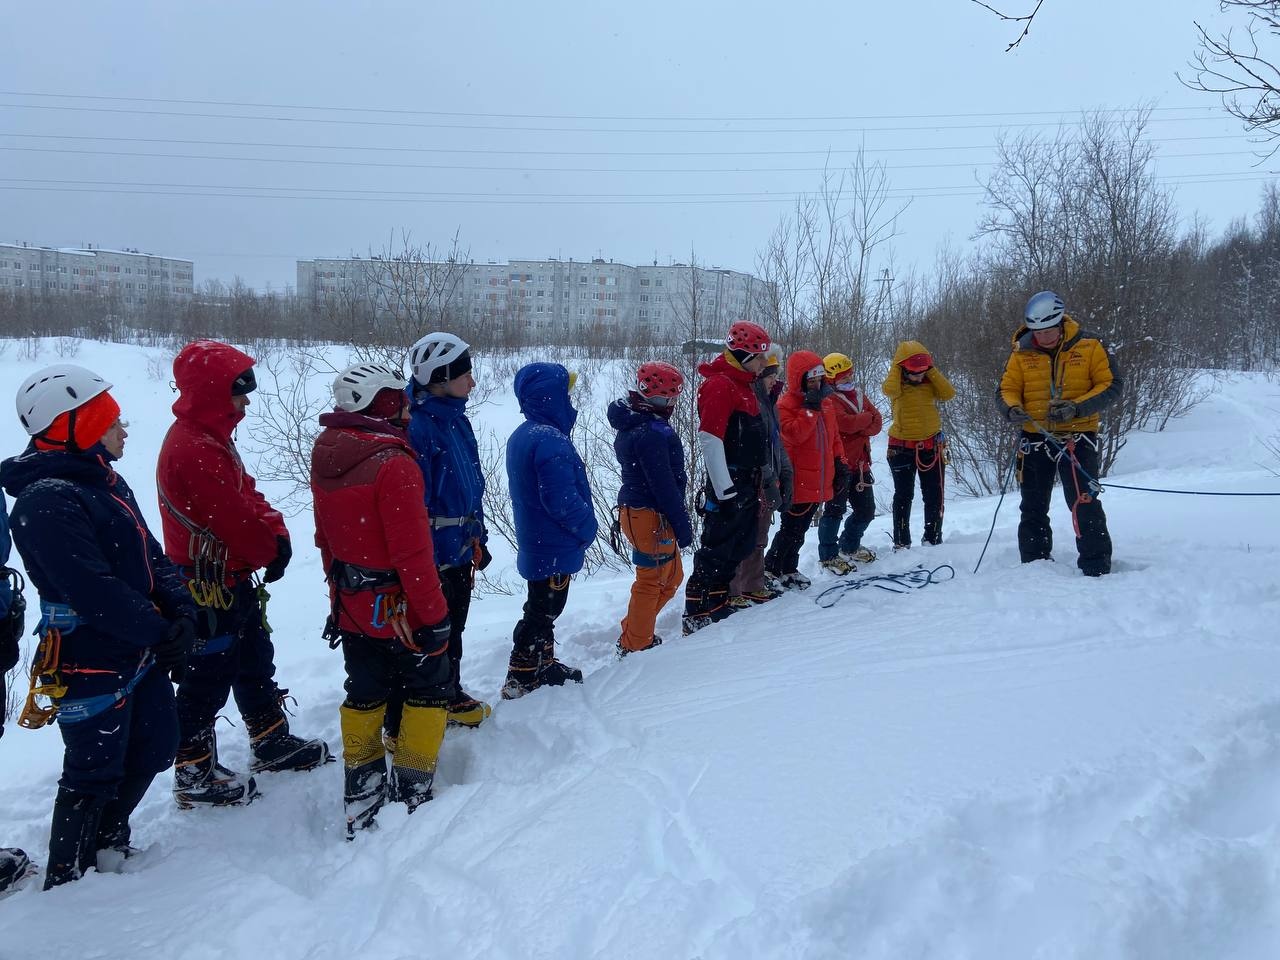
(651, 506)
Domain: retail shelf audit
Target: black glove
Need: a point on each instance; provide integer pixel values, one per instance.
(171, 652)
(482, 557)
(840, 480)
(440, 632)
(813, 398)
(771, 494)
(1061, 410)
(275, 569)
(1016, 414)
(786, 491)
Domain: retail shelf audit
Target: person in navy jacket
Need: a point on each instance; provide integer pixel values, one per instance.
(118, 605)
(651, 506)
(554, 519)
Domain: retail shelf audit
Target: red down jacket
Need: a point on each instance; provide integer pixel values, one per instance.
(200, 472)
(368, 495)
(812, 437)
(859, 421)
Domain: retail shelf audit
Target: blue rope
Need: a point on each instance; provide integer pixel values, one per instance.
(915, 579)
(1004, 484)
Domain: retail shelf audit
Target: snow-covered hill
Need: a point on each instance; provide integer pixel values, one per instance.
(1022, 763)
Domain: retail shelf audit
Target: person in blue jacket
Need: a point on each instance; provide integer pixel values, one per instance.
(554, 519)
(15, 865)
(116, 618)
(651, 507)
(447, 453)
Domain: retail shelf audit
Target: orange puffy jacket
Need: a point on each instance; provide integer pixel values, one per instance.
(811, 437)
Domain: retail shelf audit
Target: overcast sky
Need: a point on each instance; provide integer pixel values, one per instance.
(631, 132)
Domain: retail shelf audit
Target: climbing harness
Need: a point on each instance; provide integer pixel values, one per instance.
(916, 578)
(208, 581)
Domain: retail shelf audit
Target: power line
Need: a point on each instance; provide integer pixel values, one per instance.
(828, 151)
(533, 129)
(552, 116)
(308, 161)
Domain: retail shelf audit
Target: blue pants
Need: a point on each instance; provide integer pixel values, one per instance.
(245, 667)
(830, 540)
(130, 742)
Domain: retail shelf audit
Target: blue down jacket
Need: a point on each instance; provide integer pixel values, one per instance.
(652, 460)
(449, 458)
(547, 482)
(85, 544)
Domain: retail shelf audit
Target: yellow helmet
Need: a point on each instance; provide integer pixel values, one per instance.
(837, 364)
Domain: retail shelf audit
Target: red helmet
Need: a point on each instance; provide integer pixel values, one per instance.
(917, 363)
(657, 379)
(748, 337)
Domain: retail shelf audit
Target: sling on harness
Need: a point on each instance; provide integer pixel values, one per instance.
(916, 578)
(47, 682)
(208, 581)
(389, 602)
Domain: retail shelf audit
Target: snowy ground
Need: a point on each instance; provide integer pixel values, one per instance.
(1018, 764)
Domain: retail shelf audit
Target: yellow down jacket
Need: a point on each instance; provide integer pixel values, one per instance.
(1079, 369)
(915, 406)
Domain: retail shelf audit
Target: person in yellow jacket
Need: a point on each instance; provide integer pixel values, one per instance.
(915, 387)
(1057, 381)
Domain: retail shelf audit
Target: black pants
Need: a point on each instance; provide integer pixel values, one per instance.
(379, 670)
(1038, 463)
(236, 656)
(456, 584)
(784, 553)
(544, 603)
(863, 505)
(728, 535)
(904, 467)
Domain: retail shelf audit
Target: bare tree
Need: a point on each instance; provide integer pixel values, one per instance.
(1024, 19)
(1239, 67)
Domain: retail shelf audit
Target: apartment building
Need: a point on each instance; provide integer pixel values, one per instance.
(550, 296)
(134, 276)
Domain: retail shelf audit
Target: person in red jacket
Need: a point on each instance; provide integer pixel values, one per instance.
(812, 440)
(219, 529)
(388, 611)
(735, 451)
(859, 421)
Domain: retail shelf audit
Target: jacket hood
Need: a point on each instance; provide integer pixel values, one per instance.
(203, 372)
(622, 416)
(92, 467)
(1024, 340)
(908, 348)
(543, 392)
(798, 364)
(724, 364)
(349, 439)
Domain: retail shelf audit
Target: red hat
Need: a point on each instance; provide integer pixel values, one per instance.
(91, 421)
(917, 363)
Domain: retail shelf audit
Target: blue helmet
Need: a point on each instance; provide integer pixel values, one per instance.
(1044, 310)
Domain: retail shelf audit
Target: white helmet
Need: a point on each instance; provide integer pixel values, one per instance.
(53, 391)
(1044, 310)
(432, 352)
(355, 387)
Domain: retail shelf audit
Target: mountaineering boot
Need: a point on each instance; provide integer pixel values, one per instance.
(72, 836)
(418, 749)
(198, 777)
(365, 774)
(553, 673)
(795, 581)
(464, 709)
(522, 674)
(861, 555)
(112, 842)
(838, 565)
(932, 533)
(15, 868)
(692, 624)
(275, 749)
(773, 584)
(621, 652)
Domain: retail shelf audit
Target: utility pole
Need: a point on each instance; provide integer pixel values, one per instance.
(885, 297)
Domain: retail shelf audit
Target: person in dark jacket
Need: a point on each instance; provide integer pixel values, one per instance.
(388, 612)
(555, 522)
(219, 530)
(115, 616)
(15, 865)
(752, 584)
(651, 506)
(735, 450)
(449, 458)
